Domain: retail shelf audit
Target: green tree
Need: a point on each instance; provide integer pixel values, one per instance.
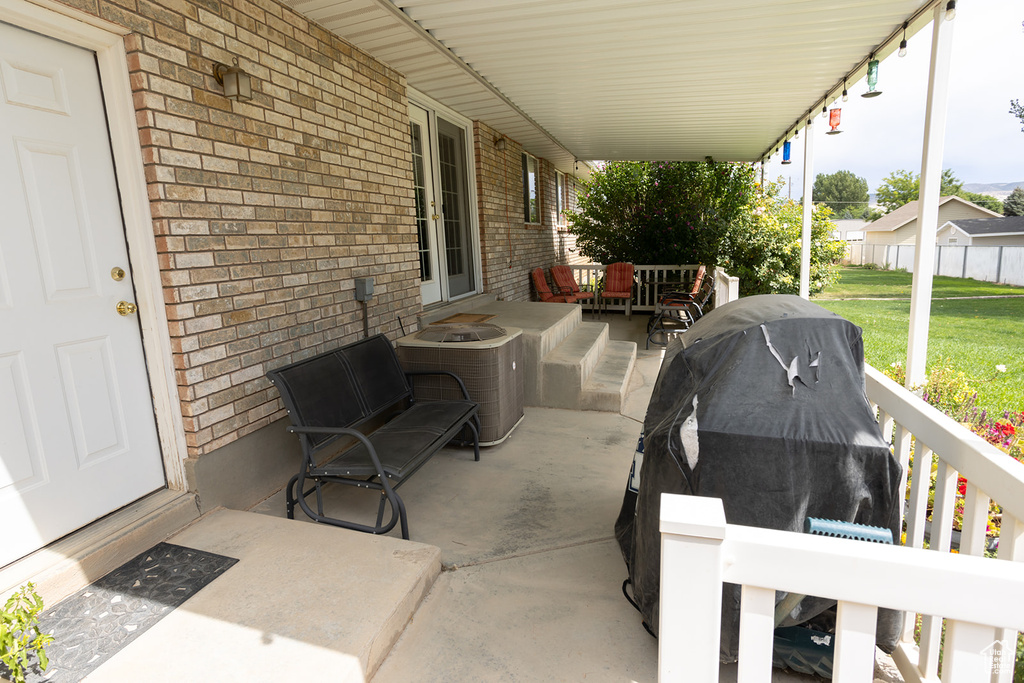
(763, 247)
(898, 188)
(1017, 109)
(842, 191)
(871, 215)
(987, 201)
(1014, 204)
(659, 212)
(901, 187)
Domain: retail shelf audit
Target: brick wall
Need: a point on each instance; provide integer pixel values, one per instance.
(265, 211)
(511, 248)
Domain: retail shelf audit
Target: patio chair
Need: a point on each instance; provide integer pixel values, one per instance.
(698, 302)
(618, 284)
(544, 292)
(673, 310)
(567, 285)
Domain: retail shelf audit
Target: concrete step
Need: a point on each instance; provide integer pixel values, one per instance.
(567, 367)
(304, 602)
(608, 385)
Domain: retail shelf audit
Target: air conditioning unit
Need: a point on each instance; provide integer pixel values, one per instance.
(488, 359)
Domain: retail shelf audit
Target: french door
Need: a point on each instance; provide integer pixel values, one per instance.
(445, 224)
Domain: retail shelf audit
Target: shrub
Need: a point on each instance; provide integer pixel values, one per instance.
(659, 212)
(20, 638)
(763, 246)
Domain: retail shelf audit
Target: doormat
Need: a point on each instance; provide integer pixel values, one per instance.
(91, 626)
(465, 318)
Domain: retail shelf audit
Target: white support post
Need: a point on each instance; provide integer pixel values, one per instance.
(928, 203)
(690, 608)
(805, 235)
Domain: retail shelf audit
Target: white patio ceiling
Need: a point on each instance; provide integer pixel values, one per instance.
(628, 79)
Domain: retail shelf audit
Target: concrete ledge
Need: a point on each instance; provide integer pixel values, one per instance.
(304, 602)
(65, 566)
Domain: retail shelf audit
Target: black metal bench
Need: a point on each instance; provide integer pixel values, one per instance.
(337, 397)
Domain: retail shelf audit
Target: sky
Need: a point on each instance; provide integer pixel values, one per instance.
(983, 142)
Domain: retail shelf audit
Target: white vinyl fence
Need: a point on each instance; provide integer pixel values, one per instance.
(990, 264)
(981, 599)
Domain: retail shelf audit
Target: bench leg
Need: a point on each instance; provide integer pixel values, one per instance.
(290, 496)
(475, 426)
(380, 509)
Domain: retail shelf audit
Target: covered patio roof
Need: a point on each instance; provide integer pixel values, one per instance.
(617, 79)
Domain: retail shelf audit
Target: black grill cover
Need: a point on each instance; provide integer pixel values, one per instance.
(761, 403)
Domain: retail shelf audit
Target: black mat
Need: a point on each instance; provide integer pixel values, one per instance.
(92, 625)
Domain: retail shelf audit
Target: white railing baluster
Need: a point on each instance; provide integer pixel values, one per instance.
(917, 508)
(972, 535)
(854, 661)
(757, 622)
(963, 657)
(901, 449)
(885, 423)
(1011, 548)
(939, 541)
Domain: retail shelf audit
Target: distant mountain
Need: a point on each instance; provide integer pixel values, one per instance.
(998, 190)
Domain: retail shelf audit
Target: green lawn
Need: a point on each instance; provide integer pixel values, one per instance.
(973, 336)
(863, 283)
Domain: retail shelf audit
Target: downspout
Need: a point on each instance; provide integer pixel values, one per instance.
(928, 204)
(805, 237)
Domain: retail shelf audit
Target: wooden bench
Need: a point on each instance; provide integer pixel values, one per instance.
(337, 397)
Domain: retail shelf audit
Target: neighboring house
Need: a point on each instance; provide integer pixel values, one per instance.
(900, 226)
(1007, 231)
(849, 230)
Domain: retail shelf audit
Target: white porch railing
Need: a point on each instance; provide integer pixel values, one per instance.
(982, 599)
(650, 281)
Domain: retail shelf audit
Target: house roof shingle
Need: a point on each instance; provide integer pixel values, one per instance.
(1007, 225)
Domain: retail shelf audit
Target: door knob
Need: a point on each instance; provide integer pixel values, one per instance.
(434, 217)
(126, 308)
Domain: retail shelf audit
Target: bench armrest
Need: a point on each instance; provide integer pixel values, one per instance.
(462, 386)
(338, 431)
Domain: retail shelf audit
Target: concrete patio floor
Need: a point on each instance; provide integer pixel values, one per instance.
(513, 557)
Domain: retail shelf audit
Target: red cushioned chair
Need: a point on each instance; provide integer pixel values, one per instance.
(544, 292)
(567, 285)
(618, 284)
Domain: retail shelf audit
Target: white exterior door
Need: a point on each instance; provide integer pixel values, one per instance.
(77, 431)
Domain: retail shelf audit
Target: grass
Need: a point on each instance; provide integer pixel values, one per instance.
(863, 283)
(972, 335)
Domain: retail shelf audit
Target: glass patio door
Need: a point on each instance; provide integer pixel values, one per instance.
(443, 216)
(426, 208)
